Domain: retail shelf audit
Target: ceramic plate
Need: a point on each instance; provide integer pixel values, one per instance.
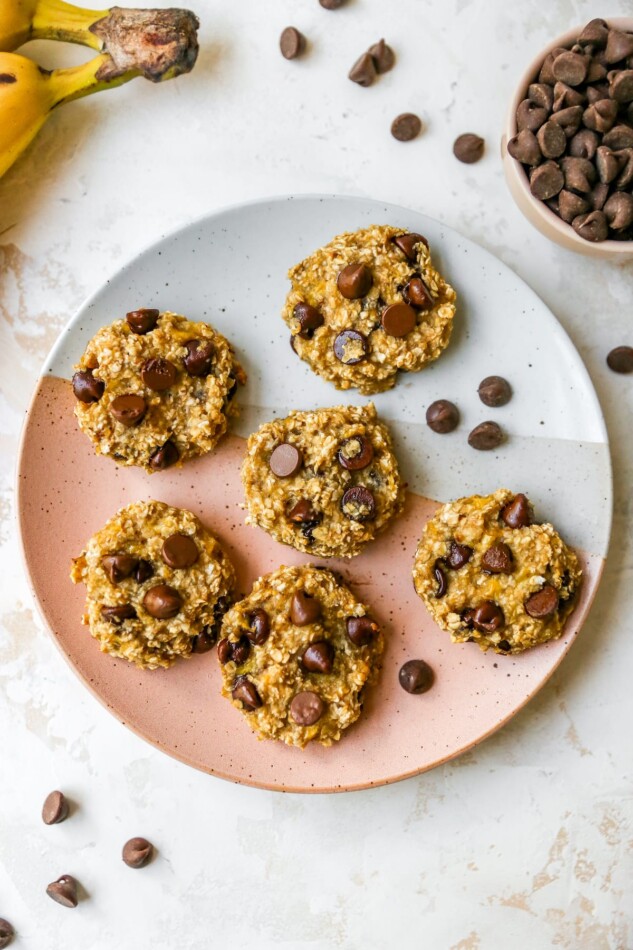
(230, 270)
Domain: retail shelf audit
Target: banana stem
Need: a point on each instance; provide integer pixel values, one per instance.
(79, 81)
(57, 20)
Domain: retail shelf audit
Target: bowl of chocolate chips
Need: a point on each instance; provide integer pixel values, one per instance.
(568, 144)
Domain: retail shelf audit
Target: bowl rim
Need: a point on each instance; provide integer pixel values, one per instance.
(615, 248)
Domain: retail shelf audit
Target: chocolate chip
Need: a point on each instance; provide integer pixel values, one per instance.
(162, 602)
(570, 68)
(383, 56)
(398, 320)
(142, 321)
(331, 4)
(318, 657)
(530, 116)
(350, 347)
(358, 504)
(285, 460)
(158, 374)
(364, 70)
(55, 808)
(309, 319)
(543, 603)
(620, 359)
(354, 281)
(440, 578)
(204, 641)
(619, 210)
(580, 174)
(524, 148)
(486, 436)
(595, 33)
(236, 651)
(407, 243)
(64, 891)
(584, 144)
(361, 630)
(442, 416)
(179, 551)
(546, 180)
(86, 388)
(304, 609)
(570, 205)
(607, 163)
(546, 75)
(592, 227)
(565, 96)
(416, 677)
(469, 148)
(625, 178)
(246, 693)
(164, 457)
(137, 852)
(488, 617)
(621, 87)
(118, 566)
(129, 409)
(292, 43)
(504, 645)
(551, 139)
(199, 358)
(497, 559)
(355, 453)
(225, 651)
(116, 615)
(458, 555)
(597, 92)
(541, 94)
(619, 46)
(600, 116)
(258, 627)
(518, 512)
(569, 119)
(406, 127)
(307, 708)
(417, 295)
(7, 932)
(495, 391)
(302, 512)
(620, 136)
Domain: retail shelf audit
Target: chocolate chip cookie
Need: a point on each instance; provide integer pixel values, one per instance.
(488, 573)
(296, 655)
(157, 584)
(368, 305)
(326, 482)
(155, 389)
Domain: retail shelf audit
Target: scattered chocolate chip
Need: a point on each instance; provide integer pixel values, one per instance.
(350, 347)
(497, 559)
(258, 627)
(64, 891)
(318, 657)
(199, 358)
(7, 932)
(204, 641)
(164, 457)
(86, 388)
(304, 609)
(331, 4)
(383, 56)
(416, 677)
(619, 210)
(309, 319)
(525, 148)
(592, 227)
(551, 139)
(142, 321)
(486, 436)
(417, 295)
(162, 602)
(118, 566)
(488, 617)
(546, 180)
(143, 572)
(458, 555)
(442, 416)
(398, 320)
(129, 409)
(292, 43)
(358, 504)
(518, 512)
(440, 578)
(364, 70)
(407, 243)
(55, 808)
(179, 551)
(570, 68)
(469, 148)
(495, 391)
(406, 127)
(302, 512)
(307, 708)
(117, 614)
(137, 852)
(361, 630)
(158, 374)
(354, 281)
(285, 460)
(355, 453)
(619, 46)
(246, 693)
(543, 603)
(620, 359)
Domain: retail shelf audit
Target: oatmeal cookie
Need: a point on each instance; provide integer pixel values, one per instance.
(487, 573)
(367, 305)
(326, 482)
(155, 389)
(296, 655)
(157, 583)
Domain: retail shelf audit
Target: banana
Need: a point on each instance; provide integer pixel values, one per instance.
(24, 20)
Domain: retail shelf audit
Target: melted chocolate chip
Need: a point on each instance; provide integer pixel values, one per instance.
(355, 453)
(440, 577)
(158, 374)
(358, 504)
(487, 617)
(310, 319)
(129, 409)
(361, 630)
(458, 555)
(398, 320)
(285, 460)
(246, 693)
(307, 708)
(86, 388)
(118, 566)
(302, 512)
(164, 457)
(179, 551)
(143, 571)
(116, 615)
(417, 295)
(407, 244)
(543, 603)
(142, 321)
(199, 359)
(304, 609)
(518, 512)
(350, 347)
(162, 602)
(354, 281)
(498, 559)
(318, 657)
(259, 627)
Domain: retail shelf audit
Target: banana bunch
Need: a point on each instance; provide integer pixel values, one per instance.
(156, 44)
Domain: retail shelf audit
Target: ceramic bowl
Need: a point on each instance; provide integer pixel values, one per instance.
(535, 210)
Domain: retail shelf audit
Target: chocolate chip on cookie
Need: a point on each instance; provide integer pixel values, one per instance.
(246, 692)
(128, 409)
(350, 347)
(142, 321)
(162, 602)
(354, 281)
(407, 243)
(117, 614)
(318, 657)
(158, 374)
(417, 295)
(199, 359)
(86, 388)
(488, 617)
(304, 609)
(398, 319)
(358, 503)
(361, 630)
(458, 555)
(179, 551)
(285, 460)
(518, 512)
(310, 319)
(307, 708)
(543, 603)
(355, 453)
(497, 559)
(259, 627)
(118, 566)
(440, 578)
(164, 457)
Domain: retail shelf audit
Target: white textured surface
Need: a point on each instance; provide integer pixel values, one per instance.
(527, 841)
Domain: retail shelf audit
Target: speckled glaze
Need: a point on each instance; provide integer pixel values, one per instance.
(66, 493)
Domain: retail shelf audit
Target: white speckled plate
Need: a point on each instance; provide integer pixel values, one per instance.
(230, 269)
